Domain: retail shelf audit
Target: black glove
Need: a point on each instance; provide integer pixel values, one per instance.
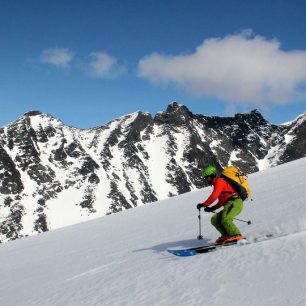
(199, 206)
(208, 209)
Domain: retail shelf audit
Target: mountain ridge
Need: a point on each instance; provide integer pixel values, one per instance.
(53, 175)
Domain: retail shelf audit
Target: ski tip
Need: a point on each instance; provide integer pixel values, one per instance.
(182, 253)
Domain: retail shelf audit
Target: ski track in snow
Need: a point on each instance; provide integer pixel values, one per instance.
(122, 260)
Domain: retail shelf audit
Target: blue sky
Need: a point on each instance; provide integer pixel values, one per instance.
(88, 62)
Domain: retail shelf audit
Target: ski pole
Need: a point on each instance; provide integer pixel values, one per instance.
(200, 237)
(248, 222)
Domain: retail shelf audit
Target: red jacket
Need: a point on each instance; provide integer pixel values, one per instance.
(223, 191)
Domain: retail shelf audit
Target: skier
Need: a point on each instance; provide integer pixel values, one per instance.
(231, 202)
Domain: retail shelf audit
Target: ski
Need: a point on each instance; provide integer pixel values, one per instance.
(214, 246)
(201, 249)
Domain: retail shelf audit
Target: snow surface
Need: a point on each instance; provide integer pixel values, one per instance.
(121, 259)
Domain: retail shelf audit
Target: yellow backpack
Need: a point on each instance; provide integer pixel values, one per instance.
(238, 181)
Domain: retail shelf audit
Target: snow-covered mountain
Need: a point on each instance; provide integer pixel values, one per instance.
(121, 259)
(53, 175)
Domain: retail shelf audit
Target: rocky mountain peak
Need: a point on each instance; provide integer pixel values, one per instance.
(33, 113)
(175, 113)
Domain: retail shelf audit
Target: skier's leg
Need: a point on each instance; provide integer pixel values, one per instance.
(216, 222)
(231, 209)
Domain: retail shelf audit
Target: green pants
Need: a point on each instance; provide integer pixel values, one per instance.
(223, 220)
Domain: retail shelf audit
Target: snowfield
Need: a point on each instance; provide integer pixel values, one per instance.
(121, 259)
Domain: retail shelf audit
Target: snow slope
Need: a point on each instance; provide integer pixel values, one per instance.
(121, 259)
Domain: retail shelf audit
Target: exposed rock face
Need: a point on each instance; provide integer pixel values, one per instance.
(52, 175)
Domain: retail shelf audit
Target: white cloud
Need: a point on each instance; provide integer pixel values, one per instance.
(240, 68)
(58, 57)
(103, 65)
